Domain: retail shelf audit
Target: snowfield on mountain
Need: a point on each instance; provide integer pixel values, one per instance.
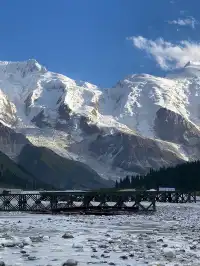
(140, 123)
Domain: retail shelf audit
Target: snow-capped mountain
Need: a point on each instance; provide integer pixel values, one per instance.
(142, 122)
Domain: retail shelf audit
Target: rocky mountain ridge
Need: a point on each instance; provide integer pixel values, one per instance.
(140, 123)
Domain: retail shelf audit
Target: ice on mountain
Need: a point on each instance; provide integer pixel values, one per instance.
(130, 106)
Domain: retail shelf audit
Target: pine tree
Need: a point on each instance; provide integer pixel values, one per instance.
(181, 177)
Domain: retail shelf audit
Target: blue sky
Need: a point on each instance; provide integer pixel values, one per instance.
(87, 39)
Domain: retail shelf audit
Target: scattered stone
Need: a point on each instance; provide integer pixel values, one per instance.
(107, 251)
(91, 240)
(105, 255)
(20, 245)
(32, 258)
(55, 259)
(25, 255)
(27, 241)
(45, 238)
(169, 253)
(123, 257)
(103, 246)
(36, 239)
(151, 242)
(78, 246)
(110, 240)
(70, 262)
(23, 251)
(9, 244)
(67, 236)
(131, 255)
(7, 236)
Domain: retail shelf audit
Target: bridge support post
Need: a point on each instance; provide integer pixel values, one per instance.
(22, 202)
(53, 203)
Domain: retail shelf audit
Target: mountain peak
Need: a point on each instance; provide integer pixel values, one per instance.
(187, 64)
(28, 66)
(192, 64)
(116, 123)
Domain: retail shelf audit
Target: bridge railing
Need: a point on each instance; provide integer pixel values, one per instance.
(99, 200)
(57, 201)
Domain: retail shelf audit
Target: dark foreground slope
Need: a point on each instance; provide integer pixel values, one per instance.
(15, 176)
(57, 171)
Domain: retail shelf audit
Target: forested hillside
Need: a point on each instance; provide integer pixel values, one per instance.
(184, 176)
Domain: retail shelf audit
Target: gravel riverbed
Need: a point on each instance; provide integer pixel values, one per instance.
(171, 236)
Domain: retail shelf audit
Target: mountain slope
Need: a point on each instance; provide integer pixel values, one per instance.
(13, 175)
(47, 168)
(11, 142)
(156, 118)
(57, 171)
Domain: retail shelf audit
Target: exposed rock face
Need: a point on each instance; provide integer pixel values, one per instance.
(41, 120)
(11, 142)
(140, 123)
(132, 152)
(64, 112)
(87, 127)
(173, 127)
(7, 110)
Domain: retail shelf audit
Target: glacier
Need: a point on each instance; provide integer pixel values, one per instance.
(70, 116)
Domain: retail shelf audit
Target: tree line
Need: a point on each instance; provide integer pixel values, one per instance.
(181, 177)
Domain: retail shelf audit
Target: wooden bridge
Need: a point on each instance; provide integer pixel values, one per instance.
(90, 202)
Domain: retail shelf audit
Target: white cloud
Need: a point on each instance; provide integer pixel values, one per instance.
(167, 54)
(185, 22)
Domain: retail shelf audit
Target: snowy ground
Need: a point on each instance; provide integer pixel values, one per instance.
(171, 236)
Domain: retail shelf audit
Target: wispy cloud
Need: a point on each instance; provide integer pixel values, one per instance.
(167, 54)
(185, 22)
